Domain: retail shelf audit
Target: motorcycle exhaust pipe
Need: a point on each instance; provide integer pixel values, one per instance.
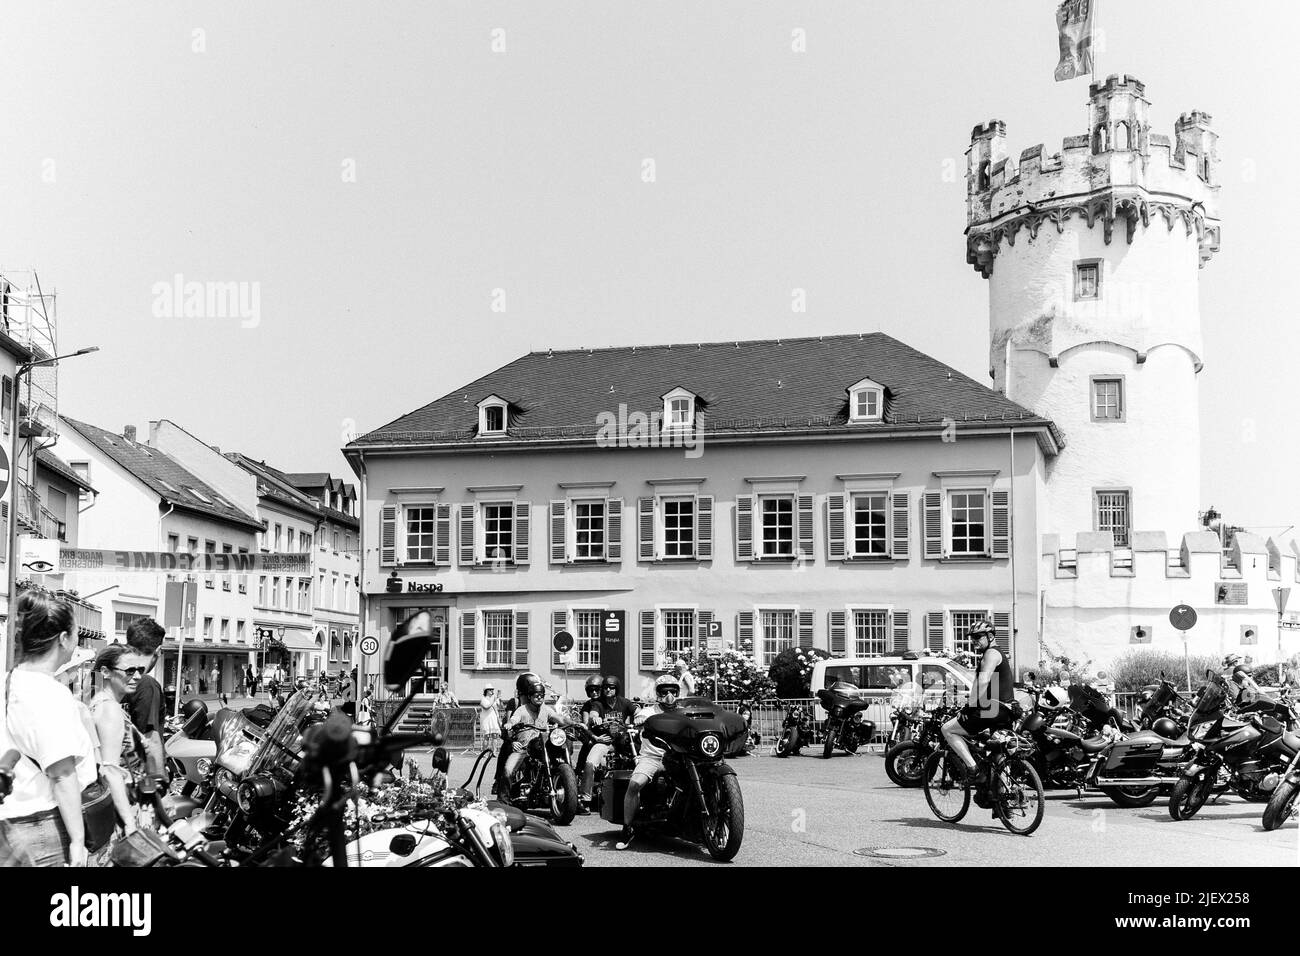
(1135, 781)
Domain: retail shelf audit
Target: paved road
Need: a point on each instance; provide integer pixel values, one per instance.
(805, 811)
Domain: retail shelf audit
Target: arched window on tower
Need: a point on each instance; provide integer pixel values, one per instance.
(1099, 139)
(984, 177)
(1205, 168)
(1122, 135)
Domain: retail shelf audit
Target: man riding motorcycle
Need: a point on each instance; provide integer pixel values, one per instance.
(651, 759)
(531, 718)
(1241, 686)
(990, 701)
(603, 715)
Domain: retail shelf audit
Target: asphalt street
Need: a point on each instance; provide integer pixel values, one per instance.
(806, 811)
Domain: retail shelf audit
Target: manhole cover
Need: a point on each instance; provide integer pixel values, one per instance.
(900, 852)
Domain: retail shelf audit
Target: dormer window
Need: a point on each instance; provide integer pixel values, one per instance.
(492, 416)
(866, 401)
(679, 409)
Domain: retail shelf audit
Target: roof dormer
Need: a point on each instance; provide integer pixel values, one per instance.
(493, 416)
(679, 409)
(866, 401)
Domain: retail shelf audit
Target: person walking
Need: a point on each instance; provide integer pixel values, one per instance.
(40, 820)
(214, 679)
(489, 718)
(118, 757)
(248, 679)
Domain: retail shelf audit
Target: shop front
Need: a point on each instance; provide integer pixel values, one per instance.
(207, 668)
(433, 677)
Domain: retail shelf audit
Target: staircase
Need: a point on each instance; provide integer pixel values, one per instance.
(415, 719)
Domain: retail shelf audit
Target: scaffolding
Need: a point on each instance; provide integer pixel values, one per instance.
(30, 317)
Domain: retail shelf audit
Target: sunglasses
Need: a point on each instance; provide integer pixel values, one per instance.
(131, 671)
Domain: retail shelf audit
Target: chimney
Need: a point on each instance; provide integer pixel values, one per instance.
(128, 432)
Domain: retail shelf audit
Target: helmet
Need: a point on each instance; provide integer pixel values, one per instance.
(981, 628)
(1166, 727)
(1232, 660)
(194, 717)
(665, 681)
(612, 681)
(593, 685)
(526, 685)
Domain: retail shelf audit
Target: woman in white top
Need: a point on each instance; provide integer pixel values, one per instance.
(40, 821)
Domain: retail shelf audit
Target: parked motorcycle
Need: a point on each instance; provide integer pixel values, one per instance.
(796, 731)
(1282, 804)
(697, 796)
(545, 780)
(191, 749)
(847, 724)
(905, 761)
(1063, 745)
(1161, 701)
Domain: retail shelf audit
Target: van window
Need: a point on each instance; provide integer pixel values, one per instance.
(940, 682)
(843, 672)
(887, 676)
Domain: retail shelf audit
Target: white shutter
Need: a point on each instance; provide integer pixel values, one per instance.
(932, 503)
(388, 536)
(442, 537)
(745, 633)
(645, 523)
(704, 527)
(523, 528)
(900, 532)
(1002, 633)
(745, 528)
(521, 640)
(559, 619)
(614, 530)
(805, 629)
(468, 643)
(900, 632)
(1001, 524)
(649, 659)
(934, 632)
(466, 557)
(558, 549)
(835, 544)
(804, 507)
(837, 628)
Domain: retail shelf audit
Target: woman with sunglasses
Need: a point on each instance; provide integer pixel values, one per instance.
(118, 757)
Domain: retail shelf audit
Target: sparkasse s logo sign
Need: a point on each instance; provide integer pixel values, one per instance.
(77, 909)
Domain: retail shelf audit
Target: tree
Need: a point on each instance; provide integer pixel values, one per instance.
(792, 671)
(737, 677)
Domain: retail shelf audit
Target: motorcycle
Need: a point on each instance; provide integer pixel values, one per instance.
(1060, 729)
(697, 796)
(847, 724)
(1157, 701)
(545, 780)
(796, 730)
(191, 749)
(1246, 756)
(905, 761)
(1282, 804)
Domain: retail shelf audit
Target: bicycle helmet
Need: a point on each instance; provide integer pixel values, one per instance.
(982, 628)
(593, 685)
(612, 681)
(1166, 727)
(528, 686)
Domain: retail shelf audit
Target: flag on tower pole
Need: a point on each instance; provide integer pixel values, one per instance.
(1074, 25)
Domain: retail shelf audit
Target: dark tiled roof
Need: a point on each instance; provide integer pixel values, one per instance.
(271, 484)
(47, 459)
(153, 467)
(744, 387)
(300, 488)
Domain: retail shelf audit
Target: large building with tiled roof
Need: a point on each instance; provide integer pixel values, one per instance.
(847, 492)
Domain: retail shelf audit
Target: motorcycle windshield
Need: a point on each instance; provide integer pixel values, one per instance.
(281, 747)
(1209, 705)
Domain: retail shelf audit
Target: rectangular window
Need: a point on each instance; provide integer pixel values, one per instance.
(320, 590)
(173, 543)
(211, 548)
(498, 531)
(870, 524)
(778, 526)
(1087, 280)
(1107, 400)
(494, 418)
(7, 403)
(679, 527)
(589, 530)
(334, 592)
(336, 540)
(277, 537)
(679, 412)
(963, 621)
(498, 638)
(778, 633)
(288, 539)
(82, 468)
(275, 592)
(207, 628)
(868, 403)
(1113, 515)
(261, 590)
(586, 636)
(225, 629)
(239, 631)
(122, 620)
(226, 578)
(243, 578)
(420, 524)
(870, 633)
(967, 512)
(679, 632)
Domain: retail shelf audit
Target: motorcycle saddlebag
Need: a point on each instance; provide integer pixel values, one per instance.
(613, 789)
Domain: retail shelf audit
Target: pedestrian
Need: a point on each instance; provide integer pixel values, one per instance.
(686, 678)
(214, 679)
(188, 682)
(365, 707)
(489, 718)
(40, 820)
(348, 694)
(146, 704)
(248, 678)
(115, 738)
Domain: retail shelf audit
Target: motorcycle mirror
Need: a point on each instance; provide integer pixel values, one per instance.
(407, 649)
(440, 760)
(402, 845)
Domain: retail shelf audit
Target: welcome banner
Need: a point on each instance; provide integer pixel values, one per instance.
(80, 559)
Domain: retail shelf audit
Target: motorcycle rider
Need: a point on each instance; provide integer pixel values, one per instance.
(590, 717)
(990, 701)
(651, 759)
(532, 717)
(1241, 686)
(603, 716)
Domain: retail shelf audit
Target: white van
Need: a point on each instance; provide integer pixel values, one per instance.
(941, 679)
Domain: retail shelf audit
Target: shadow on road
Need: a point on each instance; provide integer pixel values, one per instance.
(927, 823)
(655, 846)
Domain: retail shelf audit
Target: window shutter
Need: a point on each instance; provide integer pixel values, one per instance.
(1002, 635)
(388, 536)
(558, 621)
(702, 619)
(1001, 524)
(442, 537)
(558, 543)
(745, 633)
(645, 525)
(933, 505)
(934, 632)
(648, 661)
(804, 505)
(805, 629)
(466, 558)
(836, 625)
(900, 628)
(704, 527)
(523, 526)
(900, 533)
(745, 531)
(468, 644)
(614, 529)
(521, 640)
(835, 549)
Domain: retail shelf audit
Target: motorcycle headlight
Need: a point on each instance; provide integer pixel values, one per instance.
(501, 816)
(501, 842)
(253, 792)
(858, 717)
(710, 745)
(557, 737)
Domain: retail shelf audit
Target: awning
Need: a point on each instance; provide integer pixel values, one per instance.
(300, 641)
(209, 647)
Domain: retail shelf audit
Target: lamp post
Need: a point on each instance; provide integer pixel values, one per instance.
(12, 545)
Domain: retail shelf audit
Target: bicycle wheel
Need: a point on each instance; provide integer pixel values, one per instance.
(1018, 796)
(947, 786)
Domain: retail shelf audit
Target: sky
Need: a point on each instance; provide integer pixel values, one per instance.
(377, 178)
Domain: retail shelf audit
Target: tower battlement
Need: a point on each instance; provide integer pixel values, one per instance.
(1117, 171)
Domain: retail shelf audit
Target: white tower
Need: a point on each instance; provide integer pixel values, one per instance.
(1092, 257)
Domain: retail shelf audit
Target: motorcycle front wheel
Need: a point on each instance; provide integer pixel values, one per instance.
(905, 764)
(1190, 795)
(1018, 796)
(789, 743)
(725, 829)
(829, 747)
(947, 786)
(564, 795)
(1279, 806)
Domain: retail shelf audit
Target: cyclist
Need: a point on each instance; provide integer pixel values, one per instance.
(990, 703)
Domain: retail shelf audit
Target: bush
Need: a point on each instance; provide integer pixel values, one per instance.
(736, 676)
(1266, 675)
(1135, 669)
(792, 670)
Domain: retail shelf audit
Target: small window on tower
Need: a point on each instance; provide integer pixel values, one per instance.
(1107, 399)
(496, 418)
(1087, 279)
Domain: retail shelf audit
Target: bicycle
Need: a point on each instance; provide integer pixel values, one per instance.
(1014, 787)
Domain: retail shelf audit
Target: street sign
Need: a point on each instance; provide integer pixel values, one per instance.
(713, 645)
(1280, 596)
(180, 599)
(1183, 617)
(563, 642)
(369, 645)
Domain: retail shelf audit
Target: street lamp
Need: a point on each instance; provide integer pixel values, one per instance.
(22, 370)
